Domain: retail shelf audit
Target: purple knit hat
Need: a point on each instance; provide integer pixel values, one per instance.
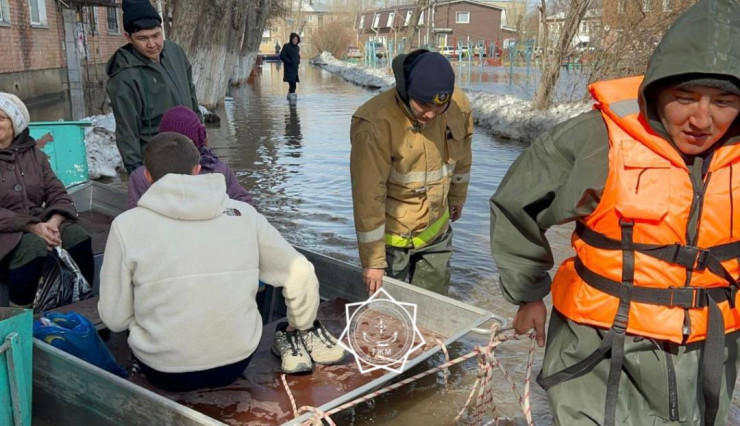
(183, 120)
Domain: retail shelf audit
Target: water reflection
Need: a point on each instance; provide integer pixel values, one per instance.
(293, 135)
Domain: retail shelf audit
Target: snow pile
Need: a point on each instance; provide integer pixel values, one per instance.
(513, 118)
(364, 76)
(505, 116)
(103, 159)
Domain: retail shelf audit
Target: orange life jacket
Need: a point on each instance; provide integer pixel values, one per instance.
(649, 194)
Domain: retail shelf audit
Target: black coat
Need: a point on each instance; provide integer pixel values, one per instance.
(291, 57)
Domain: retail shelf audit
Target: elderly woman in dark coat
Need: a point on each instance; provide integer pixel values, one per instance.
(291, 57)
(36, 213)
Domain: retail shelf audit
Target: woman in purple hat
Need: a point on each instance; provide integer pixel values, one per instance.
(184, 121)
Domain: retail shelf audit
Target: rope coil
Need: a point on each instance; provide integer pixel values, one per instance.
(483, 385)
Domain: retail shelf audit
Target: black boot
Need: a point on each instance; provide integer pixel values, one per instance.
(24, 280)
(83, 256)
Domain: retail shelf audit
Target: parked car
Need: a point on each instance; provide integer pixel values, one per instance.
(448, 51)
(353, 52)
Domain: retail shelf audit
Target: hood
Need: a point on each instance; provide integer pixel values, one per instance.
(703, 40)
(124, 58)
(186, 197)
(401, 65)
(290, 40)
(22, 142)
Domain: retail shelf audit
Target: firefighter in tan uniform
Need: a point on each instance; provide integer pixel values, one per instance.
(410, 167)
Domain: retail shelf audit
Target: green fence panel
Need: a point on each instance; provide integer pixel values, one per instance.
(64, 143)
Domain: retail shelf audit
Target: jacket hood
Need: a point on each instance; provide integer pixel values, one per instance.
(401, 65)
(21, 142)
(290, 40)
(186, 197)
(703, 41)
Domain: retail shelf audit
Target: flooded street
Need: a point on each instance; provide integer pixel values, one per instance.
(294, 160)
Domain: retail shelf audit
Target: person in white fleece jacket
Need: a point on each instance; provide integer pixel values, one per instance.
(181, 273)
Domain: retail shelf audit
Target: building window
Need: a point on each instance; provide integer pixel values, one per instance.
(362, 21)
(421, 18)
(462, 17)
(4, 12)
(409, 14)
(376, 20)
(391, 17)
(90, 19)
(667, 6)
(112, 19)
(38, 12)
(647, 5)
(620, 5)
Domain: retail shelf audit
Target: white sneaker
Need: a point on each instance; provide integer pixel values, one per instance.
(287, 346)
(321, 345)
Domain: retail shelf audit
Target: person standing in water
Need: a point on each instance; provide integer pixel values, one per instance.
(291, 57)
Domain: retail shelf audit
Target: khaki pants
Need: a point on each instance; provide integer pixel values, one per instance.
(427, 267)
(644, 385)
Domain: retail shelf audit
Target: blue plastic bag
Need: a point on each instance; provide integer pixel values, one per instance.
(76, 335)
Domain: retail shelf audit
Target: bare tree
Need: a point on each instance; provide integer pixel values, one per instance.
(211, 33)
(258, 13)
(413, 28)
(553, 58)
(333, 37)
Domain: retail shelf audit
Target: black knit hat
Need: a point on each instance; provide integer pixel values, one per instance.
(431, 79)
(139, 15)
(724, 83)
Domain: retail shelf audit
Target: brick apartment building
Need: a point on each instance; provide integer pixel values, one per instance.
(41, 37)
(451, 22)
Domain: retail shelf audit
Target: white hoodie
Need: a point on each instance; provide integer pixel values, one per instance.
(181, 272)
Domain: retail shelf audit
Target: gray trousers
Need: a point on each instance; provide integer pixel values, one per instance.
(643, 388)
(427, 267)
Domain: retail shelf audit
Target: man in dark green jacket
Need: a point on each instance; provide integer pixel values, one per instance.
(562, 178)
(147, 77)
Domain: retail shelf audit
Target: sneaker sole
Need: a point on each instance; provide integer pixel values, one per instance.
(295, 371)
(330, 362)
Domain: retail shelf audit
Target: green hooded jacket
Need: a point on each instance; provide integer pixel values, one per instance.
(141, 91)
(561, 176)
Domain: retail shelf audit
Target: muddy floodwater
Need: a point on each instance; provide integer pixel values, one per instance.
(294, 160)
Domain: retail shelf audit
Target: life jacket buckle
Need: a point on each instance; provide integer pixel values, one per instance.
(691, 257)
(421, 190)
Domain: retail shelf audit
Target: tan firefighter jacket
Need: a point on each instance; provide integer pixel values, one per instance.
(404, 177)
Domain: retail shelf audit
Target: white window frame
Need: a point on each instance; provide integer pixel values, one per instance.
(4, 13)
(421, 18)
(621, 5)
(409, 14)
(460, 21)
(41, 6)
(391, 18)
(376, 20)
(647, 5)
(667, 6)
(117, 31)
(362, 21)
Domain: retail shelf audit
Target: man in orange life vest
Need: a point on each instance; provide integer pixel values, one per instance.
(645, 315)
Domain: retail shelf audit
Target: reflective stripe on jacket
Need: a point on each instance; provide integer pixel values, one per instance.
(403, 177)
(649, 194)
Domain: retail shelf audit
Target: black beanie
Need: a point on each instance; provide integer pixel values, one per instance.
(723, 82)
(139, 15)
(431, 79)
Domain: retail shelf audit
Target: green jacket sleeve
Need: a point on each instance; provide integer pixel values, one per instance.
(127, 107)
(558, 179)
